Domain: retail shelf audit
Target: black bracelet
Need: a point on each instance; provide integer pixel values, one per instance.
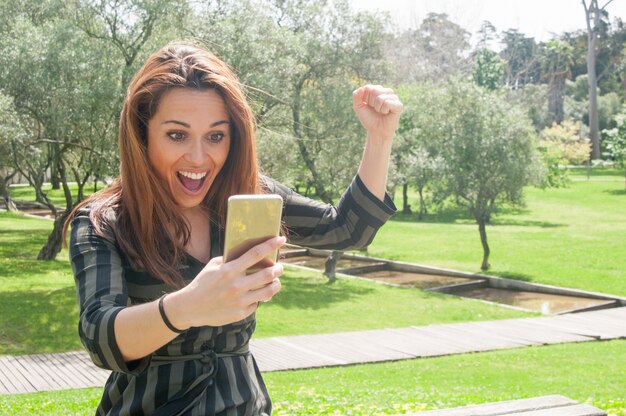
(164, 317)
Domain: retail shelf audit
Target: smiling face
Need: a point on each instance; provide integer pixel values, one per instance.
(188, 142)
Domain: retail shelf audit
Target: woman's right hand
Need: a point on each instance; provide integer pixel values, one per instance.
(222, 293)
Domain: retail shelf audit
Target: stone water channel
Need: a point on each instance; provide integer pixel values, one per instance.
(508, 292)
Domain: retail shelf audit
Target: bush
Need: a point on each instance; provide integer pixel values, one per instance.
(563, 141)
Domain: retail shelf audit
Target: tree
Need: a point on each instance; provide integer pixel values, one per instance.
(332, 50)
(129, 25)
(487, 34)
(489, 150)
(520, 56)
(593, 19)
(414, 157)
(10, 131)
(615, 140)
(488, 69)
(435, 51)
(64, 92)
(556, 59)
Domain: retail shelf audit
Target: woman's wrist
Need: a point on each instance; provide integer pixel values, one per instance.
(378, 139)
(172, 310)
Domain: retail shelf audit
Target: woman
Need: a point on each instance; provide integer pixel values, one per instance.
(158, 306)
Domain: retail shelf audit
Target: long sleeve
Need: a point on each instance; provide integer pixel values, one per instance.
(352, 224)
(102, 294)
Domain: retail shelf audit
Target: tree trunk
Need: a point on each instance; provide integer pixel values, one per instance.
(54, 181)
(55, 240)
(6, 194)
(482, 229)
(406, 208)
(422, 203)
(592, 14)
(556, 94)
(330, 265)
(304, 152)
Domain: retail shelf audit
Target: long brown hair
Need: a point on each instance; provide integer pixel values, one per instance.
(149, 227)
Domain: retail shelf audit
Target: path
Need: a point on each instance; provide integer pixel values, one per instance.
(44, 372)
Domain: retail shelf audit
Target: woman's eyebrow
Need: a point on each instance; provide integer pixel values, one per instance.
(182, 123)
(220, 122)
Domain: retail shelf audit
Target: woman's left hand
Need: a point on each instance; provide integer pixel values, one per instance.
(378, 108)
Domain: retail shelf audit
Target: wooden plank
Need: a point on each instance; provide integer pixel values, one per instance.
(15, 374)
(41, 377)
(66, 372)
(576, 328)
(13, 380)
(450, 338)
(371, 344)
(79, 362)
(604, 322)
(415, 343)
(619, 313)
(495, 335)
(279, 355)
(576, 410)
(526, 329)
(299, 347)
(510, 407)
(88, 374)
(445, 344)
(49, 362)
(516, 330)
(340, 350)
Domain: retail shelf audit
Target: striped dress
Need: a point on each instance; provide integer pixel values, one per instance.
(206, 370)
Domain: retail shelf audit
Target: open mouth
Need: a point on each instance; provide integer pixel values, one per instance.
(191, 181)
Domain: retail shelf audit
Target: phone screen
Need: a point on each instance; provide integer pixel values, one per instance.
(250, 220)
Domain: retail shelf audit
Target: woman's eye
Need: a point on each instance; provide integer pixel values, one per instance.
(176, 136)
(216, 137)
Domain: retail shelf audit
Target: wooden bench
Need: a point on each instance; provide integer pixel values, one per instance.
(537, 406)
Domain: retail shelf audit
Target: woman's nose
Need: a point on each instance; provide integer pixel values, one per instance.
(196, 152)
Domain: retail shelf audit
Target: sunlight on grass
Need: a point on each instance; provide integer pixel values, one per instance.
(570, 237)
(413, 385)
(457, 380)
(38, 310)
(308, 304)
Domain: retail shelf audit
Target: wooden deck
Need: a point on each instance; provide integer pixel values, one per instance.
(554, 405)
(45, 372)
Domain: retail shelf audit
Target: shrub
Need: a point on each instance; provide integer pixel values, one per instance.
(565, 142)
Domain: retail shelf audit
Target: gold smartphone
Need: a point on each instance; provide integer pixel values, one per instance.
(251, 220)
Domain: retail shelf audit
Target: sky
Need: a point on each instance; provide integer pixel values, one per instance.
(535, 18)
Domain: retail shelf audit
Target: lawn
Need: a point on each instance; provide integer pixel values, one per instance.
(38, 311)
(570, 237)
(413, 385)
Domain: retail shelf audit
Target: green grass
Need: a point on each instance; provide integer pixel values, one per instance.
(458, 380)
(414, 385)
(309, 305)
(38, 310)
(57, 196)
(570, 237)
(58, 403)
